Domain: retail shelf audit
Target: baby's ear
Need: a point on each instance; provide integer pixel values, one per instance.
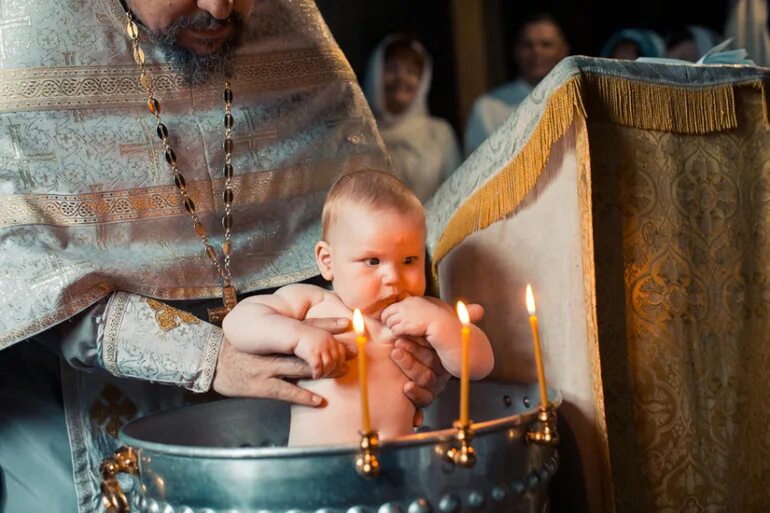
(323, 259)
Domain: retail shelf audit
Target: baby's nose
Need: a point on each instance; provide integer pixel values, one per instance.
(390, 276)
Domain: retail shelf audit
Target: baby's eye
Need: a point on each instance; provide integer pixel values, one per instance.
(372, 261)
(410, 260)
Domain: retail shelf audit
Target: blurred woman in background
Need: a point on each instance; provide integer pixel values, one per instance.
(423, 148)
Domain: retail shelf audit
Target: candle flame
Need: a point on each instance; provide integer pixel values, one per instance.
(462, 313)
(358, 322)
(530, 300)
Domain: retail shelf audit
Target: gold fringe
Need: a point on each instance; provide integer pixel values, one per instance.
(642, 105)
(508, 188)
(661, 107)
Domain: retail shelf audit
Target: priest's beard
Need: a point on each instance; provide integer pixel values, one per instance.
(197, 68)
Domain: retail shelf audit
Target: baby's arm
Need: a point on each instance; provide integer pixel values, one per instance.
(272, 323)
(436, 321)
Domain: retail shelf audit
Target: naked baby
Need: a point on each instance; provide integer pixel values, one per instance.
(373, 253)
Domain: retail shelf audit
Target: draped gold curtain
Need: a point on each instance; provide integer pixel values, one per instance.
(682, 256)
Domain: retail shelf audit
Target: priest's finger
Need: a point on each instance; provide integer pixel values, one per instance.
(425, 355)
(334, 325)
(281, 390)
(421, 397)
(419, 418)
(413, 368)
(289, 367)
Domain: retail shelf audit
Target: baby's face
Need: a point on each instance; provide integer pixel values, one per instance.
(377, 257)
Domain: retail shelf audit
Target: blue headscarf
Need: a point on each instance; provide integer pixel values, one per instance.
(650, 44)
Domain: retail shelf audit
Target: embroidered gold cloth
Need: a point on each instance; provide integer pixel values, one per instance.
(685, 344)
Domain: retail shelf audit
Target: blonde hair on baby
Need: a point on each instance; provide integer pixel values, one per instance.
(372, 189)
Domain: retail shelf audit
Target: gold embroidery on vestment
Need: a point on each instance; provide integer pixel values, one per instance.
(169, 318)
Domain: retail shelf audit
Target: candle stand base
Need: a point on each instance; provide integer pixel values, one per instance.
(545, 433)
(367, 463)
(463, 456)
(124, 460)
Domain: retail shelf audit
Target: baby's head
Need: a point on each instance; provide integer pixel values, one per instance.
(373, 242)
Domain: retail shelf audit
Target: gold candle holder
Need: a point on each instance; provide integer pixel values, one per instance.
(124, 460)
(367, 463)
(464, 455)
(546, 434)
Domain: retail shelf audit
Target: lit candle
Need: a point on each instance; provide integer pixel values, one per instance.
(538, 352)
(465, 333)
(358, 325)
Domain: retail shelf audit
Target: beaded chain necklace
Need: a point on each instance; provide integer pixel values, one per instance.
(222, 266)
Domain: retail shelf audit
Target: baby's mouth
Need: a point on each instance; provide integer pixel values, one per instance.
(382, 304)
(386, 302)
(376, 308)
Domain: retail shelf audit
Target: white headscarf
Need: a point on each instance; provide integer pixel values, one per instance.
(375, 90)
(423, 149)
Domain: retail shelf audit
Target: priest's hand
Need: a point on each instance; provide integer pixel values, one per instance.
(420, 363)
(240, 374)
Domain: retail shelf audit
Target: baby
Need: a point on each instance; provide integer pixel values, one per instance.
(373, 252)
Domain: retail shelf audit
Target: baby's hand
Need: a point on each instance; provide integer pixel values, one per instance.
(324, 354)
(412, 316)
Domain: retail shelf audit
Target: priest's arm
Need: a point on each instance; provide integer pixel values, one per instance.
(134, 336)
